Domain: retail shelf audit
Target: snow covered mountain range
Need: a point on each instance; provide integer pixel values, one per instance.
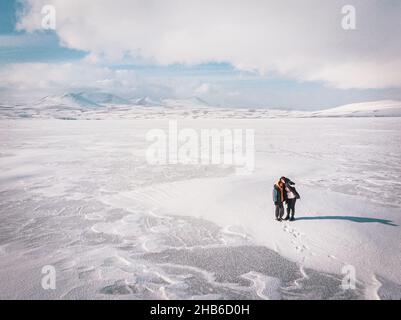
(100, 105)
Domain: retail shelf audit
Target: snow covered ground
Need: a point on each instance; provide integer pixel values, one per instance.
(80, 196)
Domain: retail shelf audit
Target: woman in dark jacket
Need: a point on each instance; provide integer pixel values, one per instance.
(291, 196)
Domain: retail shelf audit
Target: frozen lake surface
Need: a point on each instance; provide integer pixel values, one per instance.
(80, 196)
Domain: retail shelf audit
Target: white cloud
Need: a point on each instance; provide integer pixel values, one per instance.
(44, 76)
(299, 39)
(203, 88)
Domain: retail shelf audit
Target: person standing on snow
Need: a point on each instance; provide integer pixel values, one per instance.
(279, 198)
(291, 196)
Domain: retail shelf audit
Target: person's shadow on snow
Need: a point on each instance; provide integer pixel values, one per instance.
(349, 218)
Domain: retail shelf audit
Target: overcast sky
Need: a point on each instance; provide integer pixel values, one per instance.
(287, 54)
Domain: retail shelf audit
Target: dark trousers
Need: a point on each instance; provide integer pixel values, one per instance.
(279, 210)
(291, 207)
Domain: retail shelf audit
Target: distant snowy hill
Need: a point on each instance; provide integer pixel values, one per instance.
(105, 98)
(69, 100)
(82, 100)
(385, 108)
(146, 101)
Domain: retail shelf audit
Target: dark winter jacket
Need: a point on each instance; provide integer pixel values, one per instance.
(291, 186)
(293, 190)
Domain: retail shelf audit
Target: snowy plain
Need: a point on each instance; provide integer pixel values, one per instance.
(80, 196)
